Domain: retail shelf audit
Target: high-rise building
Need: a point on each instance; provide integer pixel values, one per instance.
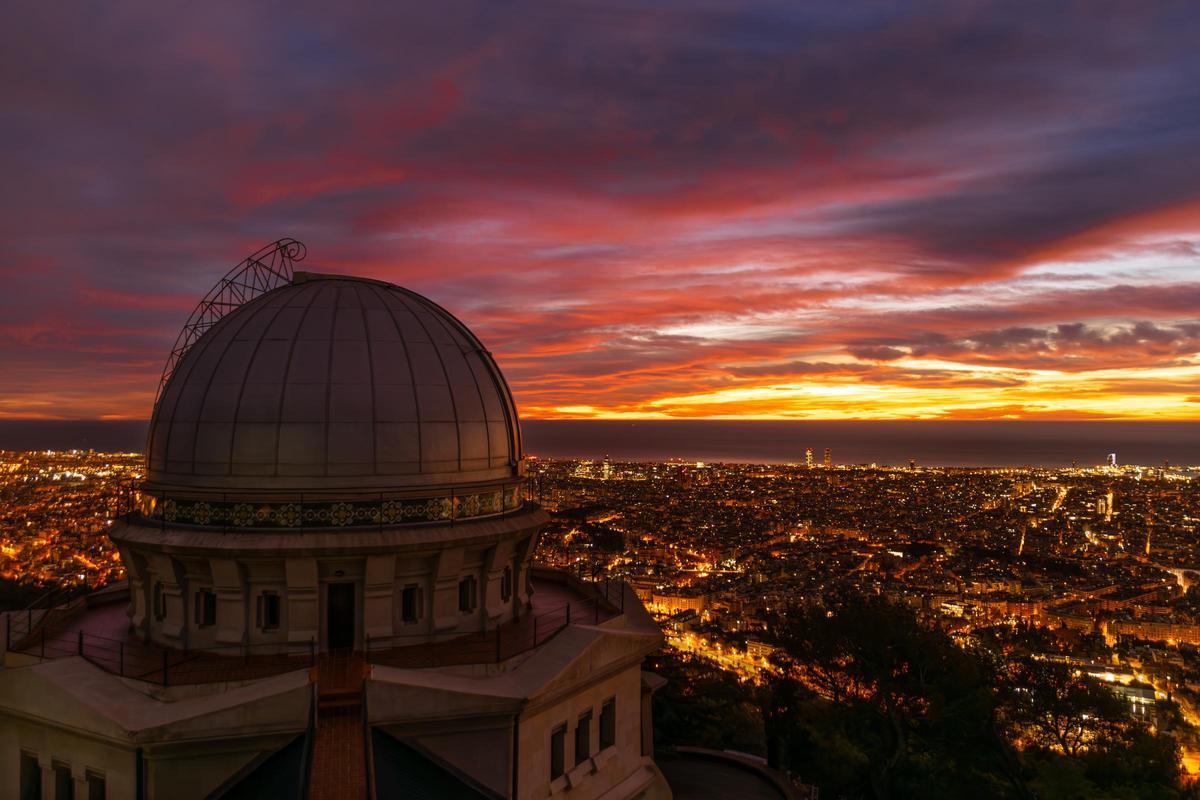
(330, 554)
(828, 458)
(808, 457)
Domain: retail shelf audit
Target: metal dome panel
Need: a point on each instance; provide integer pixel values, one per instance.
(333, 384)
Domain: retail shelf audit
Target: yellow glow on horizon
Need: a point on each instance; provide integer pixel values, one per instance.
(952, 390)
(972, 392)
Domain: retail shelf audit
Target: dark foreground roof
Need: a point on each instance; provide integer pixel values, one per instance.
(403, 770)
(698, 776)
(280, 774)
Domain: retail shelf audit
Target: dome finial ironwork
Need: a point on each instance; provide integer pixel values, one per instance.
(257, 274)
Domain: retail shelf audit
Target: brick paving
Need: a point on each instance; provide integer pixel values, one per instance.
(338, 768)
(338, 771)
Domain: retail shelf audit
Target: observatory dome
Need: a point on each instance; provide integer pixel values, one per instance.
(332, 384)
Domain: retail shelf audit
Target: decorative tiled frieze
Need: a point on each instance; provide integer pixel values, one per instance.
(328, 514)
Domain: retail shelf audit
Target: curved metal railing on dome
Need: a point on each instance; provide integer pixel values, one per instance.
(237, 512)
(254, 275)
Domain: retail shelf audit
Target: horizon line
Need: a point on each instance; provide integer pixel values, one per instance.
(824, 420)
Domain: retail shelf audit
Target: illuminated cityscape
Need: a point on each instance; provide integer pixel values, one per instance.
(1102, 558)
(739, 399)
(717, 548)
(1099, 555)
(55, 512)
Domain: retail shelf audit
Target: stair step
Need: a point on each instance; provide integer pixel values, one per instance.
(345, 707)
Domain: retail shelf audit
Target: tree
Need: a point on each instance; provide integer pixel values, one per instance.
(1144, 766)
(866, 683)
(1056, 707)
(872, 702)
(704, 706)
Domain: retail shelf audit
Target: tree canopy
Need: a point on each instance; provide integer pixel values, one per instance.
(873, 702)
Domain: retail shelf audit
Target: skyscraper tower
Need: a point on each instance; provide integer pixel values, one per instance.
(808, 459)
(828, 458)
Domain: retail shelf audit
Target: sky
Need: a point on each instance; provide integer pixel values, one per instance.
(887, 210)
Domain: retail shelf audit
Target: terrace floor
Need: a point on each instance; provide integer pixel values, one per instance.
(555, 605)
(100, 632)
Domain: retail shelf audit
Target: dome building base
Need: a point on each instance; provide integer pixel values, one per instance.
(494, 724)
(197, 590)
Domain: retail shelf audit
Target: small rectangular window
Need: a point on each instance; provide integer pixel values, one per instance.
(466, 594)
(608, 723)
(558, 752)
(31, 777)
(206, 608)
(64, 787)
(268, 611)
(159, 602)
(583, 738)
(506, 584)
(95, 786)
(410, 603)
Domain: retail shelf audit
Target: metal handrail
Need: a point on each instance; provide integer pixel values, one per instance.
(166, 665)
(498, 644)
(172, 666)
(310, 738)
(368, 747)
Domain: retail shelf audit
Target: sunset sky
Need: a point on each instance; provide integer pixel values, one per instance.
(835, 210)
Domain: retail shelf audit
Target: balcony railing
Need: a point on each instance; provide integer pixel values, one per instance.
(501, 643)
(45, 633)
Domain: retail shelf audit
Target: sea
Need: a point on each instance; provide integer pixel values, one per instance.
(928, 443)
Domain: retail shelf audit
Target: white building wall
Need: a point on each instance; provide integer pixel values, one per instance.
(51, 744)
(603, 769)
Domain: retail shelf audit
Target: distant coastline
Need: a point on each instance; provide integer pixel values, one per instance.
(930, 443)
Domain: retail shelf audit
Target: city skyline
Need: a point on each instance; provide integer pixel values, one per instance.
(602, 401)
(820, 212)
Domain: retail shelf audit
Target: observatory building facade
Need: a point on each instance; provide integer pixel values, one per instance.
(331, 589)
(363, 445)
